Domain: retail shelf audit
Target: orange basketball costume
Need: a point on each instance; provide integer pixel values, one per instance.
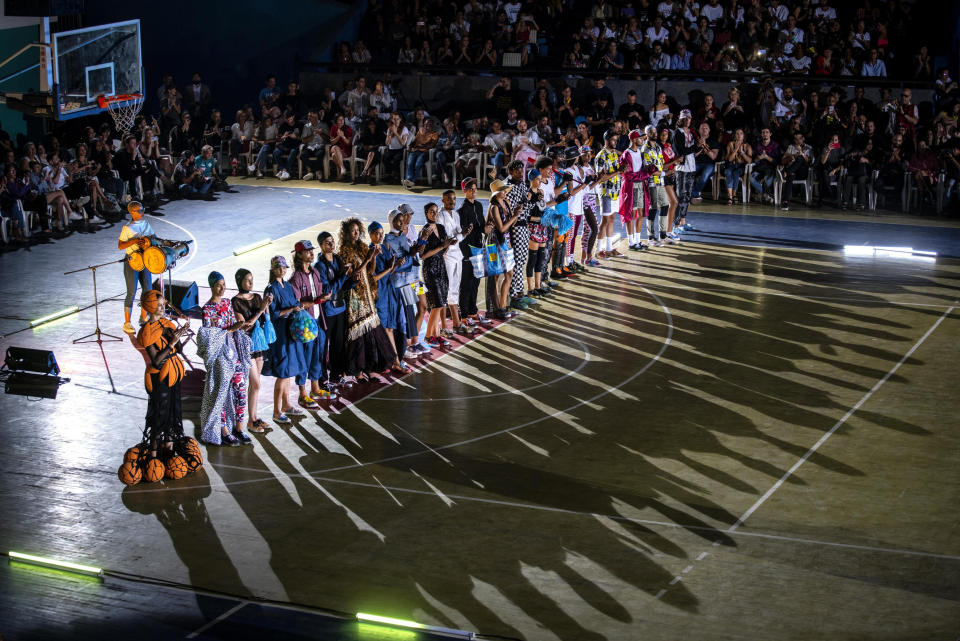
(164, 420)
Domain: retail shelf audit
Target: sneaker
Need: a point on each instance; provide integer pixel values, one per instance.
(326, 394)
(284, 175)
(696, 200)
(465, 330)
(128, 328)
(689, 227)
(593, 262)
(75, 216)
(422, 348)
(97, 220)
(655, 242)
(229, 440)
(407, 183)
(509, 313)
(613, 253)
(251, 168)
(259, 174)
(519, 304)
(486, 322)
(635, 247)
(672, 241)
(243, 437)
(433, 341)
(283, 419)
(83, 200)
(308, 403)
(308, 176)
(446, 333)
(529, 301)
(411, 354)
(784, 206)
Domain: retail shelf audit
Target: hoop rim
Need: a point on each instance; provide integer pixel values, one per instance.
(104, 101)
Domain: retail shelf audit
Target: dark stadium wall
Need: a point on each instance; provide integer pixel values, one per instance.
(11, 40)
(234, 44)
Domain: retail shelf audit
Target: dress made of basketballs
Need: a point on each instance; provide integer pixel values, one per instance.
(176, 455)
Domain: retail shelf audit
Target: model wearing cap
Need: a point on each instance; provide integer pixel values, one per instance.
(607, 163)
(538, 236)
(670, 161)
(308, 286)
(583, 207)
(653, 177)
(519, 234)
(632, 194)
(413, 237)
(286, 355)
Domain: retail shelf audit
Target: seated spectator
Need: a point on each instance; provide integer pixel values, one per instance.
(527, 145)
(269, 95)
(447, 146)
(658, 61)
(794, 165)
(382, 100)
(858, 163)
(398, 136)
(873, 67)
(361, 55)
(611, 60)
(632, 111)
(11, 197)
(831, 162)
(682, 59)
(924, 168)
(423, 141)
(290, 101)
(131, 166)
(266, 136)
(799, 62)
(189, 179)
(181, 137)
(341, 145)
(737, 155)
(705, 60)
(288, 145)
(706, 156)
(766, 156)
(314, 138)
(207, 165)
(369, 141)
(497, 144)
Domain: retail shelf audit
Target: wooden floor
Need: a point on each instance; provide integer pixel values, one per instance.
(714, 441)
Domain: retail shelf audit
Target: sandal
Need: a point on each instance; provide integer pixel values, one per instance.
(729, 201)
(296, 411)
(283, 419)
(309, 403)
(255, 427)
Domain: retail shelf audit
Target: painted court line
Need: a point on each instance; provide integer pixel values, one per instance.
(823, 439)
(226, 615)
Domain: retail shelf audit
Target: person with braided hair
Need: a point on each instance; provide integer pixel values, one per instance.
(160, 339)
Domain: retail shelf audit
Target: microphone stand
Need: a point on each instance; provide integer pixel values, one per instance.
(99, 340)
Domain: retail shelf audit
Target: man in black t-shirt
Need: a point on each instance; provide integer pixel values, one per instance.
(288, 145)
(471, 213)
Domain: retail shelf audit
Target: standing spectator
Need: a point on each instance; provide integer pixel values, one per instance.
(198, 98)
(268, 95)
(171, 111)
(359, 98)
(290, 101)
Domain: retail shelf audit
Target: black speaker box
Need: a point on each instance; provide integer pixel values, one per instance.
(31, 360)
(182, 294)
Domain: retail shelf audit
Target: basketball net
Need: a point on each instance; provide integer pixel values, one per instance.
(123, 109)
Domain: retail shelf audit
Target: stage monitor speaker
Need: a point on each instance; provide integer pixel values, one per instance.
(39, 8)
(31, 360)
(36, 385)
(184, 295)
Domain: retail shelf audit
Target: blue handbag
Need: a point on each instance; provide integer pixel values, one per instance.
(269, 333)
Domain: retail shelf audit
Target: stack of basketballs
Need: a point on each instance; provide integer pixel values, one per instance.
(138, 465)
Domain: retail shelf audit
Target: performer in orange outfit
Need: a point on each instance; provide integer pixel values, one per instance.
(160, 337)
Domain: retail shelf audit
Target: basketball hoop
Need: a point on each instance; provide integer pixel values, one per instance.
(123, 109)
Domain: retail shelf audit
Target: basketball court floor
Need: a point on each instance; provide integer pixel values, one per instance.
(750, 436)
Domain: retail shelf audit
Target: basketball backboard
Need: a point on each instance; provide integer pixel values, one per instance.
(101, 60)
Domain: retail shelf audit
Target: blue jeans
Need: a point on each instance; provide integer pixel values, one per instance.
(415, 162)
(189, 188)
(732, 174)
(762, 179)
(281, 162)
(704, 173)
(261, 161)
(498, 161)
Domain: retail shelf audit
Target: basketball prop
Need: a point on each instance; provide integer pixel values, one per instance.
(129, 473)
(303, 328)
(192, 454)
(154, 470)
(176, 467)
(135, 260)
(133, 454)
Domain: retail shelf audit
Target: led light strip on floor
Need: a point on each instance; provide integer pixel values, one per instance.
(402, 623)
(54, 316)
(53, 563)
(249, 248)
